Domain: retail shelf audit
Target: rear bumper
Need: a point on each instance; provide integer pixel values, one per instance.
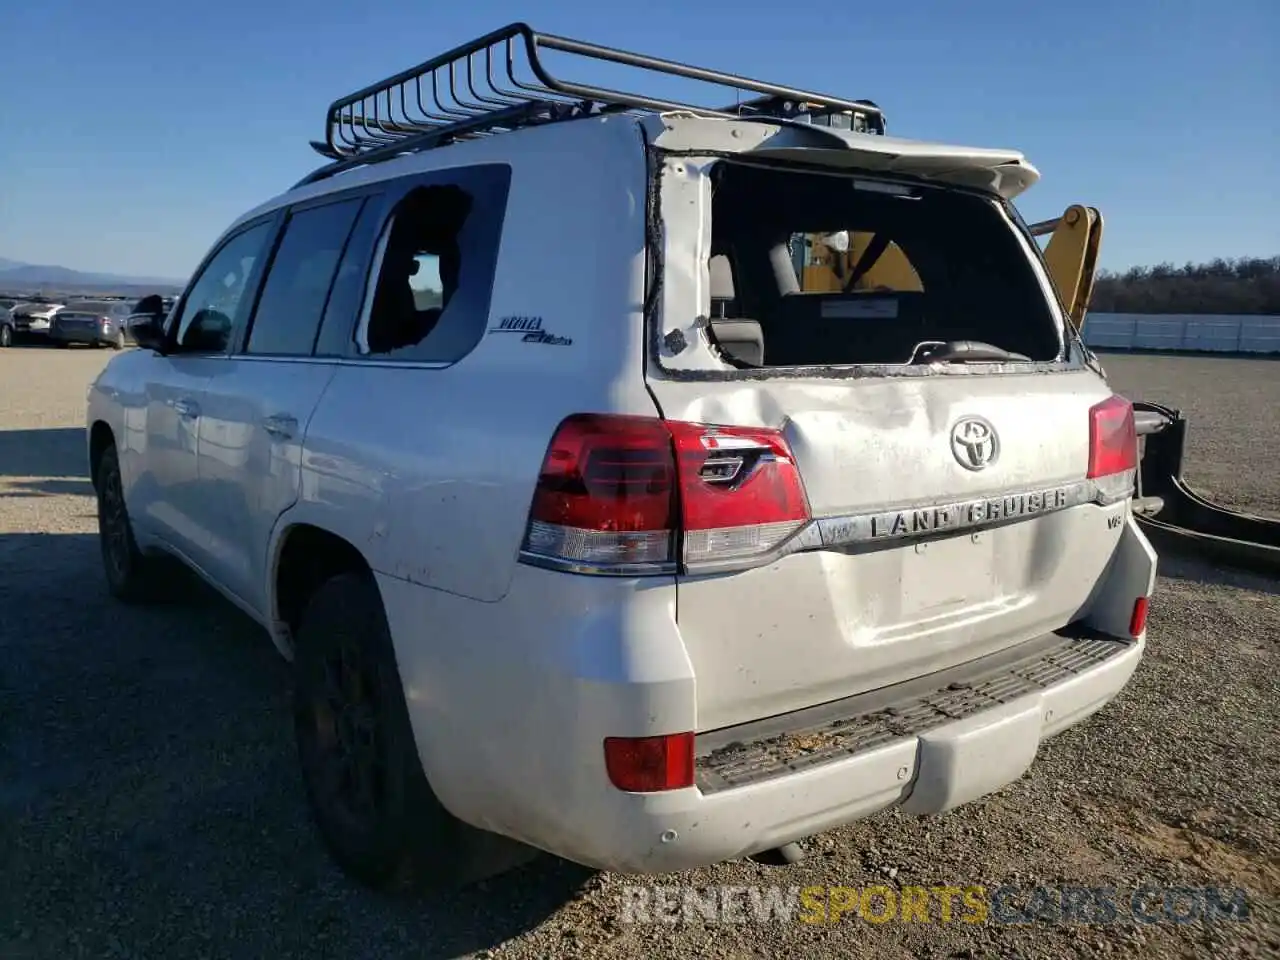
(510, 702)
(91, 335)
(807, 779)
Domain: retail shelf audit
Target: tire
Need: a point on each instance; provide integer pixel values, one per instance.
(118, 342)
(131, 576)
(369, 798)
(6, 336)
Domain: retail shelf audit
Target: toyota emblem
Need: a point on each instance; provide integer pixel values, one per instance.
(974, 443)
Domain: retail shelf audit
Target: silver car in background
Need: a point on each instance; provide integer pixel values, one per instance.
(34, 317)
(94, 322)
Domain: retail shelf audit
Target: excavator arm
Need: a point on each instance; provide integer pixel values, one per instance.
(1072, 256)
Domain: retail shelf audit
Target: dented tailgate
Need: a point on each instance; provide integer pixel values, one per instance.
(914, 562)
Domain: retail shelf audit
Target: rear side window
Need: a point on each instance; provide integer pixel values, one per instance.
(433, 271)
(298, 282)
(839, 271)
(337, 331)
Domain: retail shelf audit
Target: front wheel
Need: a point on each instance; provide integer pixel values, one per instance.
(368, 795)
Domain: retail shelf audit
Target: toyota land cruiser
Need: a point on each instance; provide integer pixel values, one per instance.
(588, 519)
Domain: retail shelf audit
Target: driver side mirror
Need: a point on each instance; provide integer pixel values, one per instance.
(146, 326)
(148, 332)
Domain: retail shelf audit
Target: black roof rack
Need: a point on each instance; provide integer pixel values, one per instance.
(473, 90)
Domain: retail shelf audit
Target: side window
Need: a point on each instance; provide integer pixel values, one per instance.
(428, 298)
(287, 318)
(337, 332)
(209, 310)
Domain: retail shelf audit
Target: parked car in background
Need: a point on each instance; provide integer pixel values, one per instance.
(6, 323)
(96, 323)
(33, 317)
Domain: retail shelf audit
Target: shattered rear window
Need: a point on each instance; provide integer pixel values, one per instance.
(837, 269)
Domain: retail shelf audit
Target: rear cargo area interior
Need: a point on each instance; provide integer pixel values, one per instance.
(972, 277)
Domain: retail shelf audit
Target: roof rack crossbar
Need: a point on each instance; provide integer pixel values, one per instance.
(450, 96)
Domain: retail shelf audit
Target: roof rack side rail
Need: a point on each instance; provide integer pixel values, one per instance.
(453, 96)
(513, 117)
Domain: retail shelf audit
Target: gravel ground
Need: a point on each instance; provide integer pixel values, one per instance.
(1233, 409)
(150, 807)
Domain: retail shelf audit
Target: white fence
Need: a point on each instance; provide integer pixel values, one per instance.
(1183, 331)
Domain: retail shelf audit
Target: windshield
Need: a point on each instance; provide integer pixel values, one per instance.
(839, 270)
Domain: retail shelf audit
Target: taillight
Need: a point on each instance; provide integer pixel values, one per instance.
(650, 764)
(606, 494)
(740, 491)
(1138, 619)
(1113, 439)
(633, 495)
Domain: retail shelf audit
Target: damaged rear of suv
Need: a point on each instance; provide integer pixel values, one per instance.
(658, 485)
(896, 506)
(951, 571)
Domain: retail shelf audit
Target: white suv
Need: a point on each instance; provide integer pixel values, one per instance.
(589, 518)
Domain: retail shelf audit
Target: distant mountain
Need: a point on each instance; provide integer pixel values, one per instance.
(16, 275)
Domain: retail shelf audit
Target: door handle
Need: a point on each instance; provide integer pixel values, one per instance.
(281, 425)
(186, 409)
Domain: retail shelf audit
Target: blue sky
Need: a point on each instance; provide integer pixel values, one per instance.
(133, 132)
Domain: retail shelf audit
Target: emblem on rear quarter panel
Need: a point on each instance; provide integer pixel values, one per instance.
(974, 443)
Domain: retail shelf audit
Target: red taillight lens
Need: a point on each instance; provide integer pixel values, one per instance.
(626, 494)
(1113, 439)
(650, 764)
(740, 491)
(606, 493)
(1138, 619)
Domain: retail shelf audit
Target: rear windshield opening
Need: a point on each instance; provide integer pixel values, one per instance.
(818, 269)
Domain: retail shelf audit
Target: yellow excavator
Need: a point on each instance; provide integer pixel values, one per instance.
(828, 262)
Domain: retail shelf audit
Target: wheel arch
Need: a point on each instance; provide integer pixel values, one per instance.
(304, 556)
